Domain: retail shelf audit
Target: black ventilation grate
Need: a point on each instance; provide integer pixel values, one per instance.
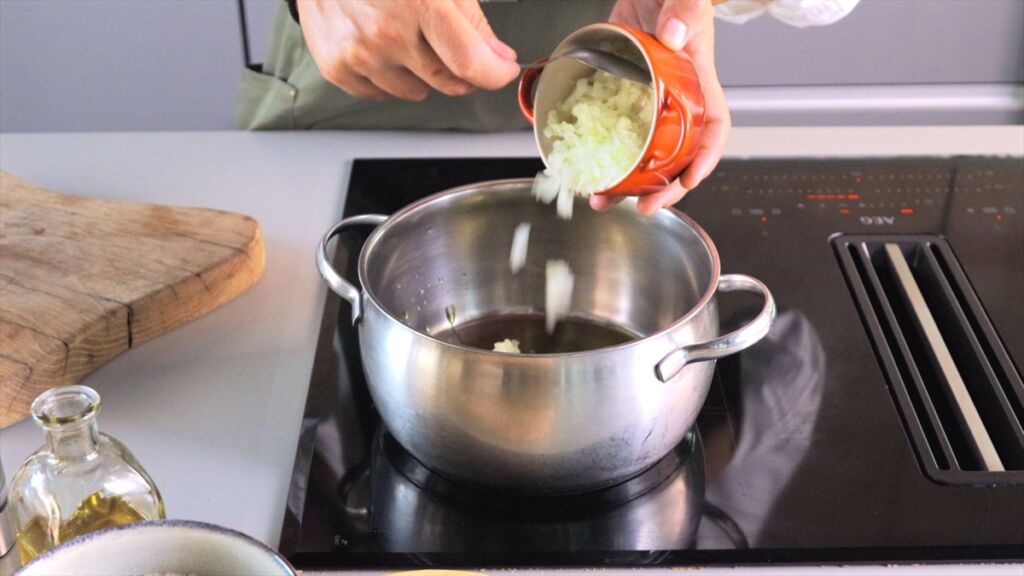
(957, 389)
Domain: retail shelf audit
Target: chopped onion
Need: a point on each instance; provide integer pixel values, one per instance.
(597, 134)
(564, 205)
(545, 187)
(520, 242)
(508, 346)
(557, 292)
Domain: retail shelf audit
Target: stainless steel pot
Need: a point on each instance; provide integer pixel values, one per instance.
(538, 423)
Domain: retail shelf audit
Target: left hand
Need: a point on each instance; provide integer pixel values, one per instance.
(684, 26)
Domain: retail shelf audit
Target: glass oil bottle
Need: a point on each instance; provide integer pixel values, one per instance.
(81, 480)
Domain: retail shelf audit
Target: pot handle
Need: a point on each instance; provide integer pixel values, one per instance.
(336, 282)
(739, 339)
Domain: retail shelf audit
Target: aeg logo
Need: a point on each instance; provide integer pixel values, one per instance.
(878, 220)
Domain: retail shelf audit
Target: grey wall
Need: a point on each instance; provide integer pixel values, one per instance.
(881, 42)
(72, 65)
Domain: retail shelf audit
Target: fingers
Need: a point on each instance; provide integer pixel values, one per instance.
(370, 77)
(713, 141)
(680, 20)
(689, 25)
(380, 49)
(356, 85)
(668, 196)
(602, 202)
(424, 63)
(462, 47)
(399, 82)
(717, 120)
(500, 48)
(475, 16)
(623, 12)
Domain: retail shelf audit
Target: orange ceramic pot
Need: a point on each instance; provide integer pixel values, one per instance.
(678, 120)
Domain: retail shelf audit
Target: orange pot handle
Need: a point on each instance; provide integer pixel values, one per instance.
(673, 105)
(526, 84)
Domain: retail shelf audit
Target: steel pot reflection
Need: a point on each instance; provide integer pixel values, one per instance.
(419, 512)
(538, 423)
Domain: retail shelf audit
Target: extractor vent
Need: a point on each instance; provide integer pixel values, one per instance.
(957, 389)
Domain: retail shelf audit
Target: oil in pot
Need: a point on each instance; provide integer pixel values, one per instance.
(571, 334)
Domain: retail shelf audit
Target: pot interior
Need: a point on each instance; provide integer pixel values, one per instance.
(633, 273)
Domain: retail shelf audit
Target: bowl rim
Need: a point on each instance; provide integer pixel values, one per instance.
(669, 212)
(193, 525)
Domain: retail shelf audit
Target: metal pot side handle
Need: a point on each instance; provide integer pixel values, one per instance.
(739, 339)
(338, 284)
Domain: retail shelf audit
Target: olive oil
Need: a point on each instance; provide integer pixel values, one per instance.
(94, 513)
(80, 480)
(572, 334)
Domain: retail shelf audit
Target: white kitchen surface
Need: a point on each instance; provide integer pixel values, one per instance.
(212, 409)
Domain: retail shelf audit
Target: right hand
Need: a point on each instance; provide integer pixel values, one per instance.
(686, 26)
(376, 49)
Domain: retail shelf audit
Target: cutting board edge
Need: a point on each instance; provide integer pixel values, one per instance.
(21, 380)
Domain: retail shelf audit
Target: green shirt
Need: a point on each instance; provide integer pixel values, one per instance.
(288, 92)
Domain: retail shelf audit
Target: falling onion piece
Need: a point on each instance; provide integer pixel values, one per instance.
(545, 187)
(508, 346)
(520, 242)
(557, 292)
(564, 205)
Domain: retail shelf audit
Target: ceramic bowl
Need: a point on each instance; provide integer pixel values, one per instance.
(165, 547)
(677, 124)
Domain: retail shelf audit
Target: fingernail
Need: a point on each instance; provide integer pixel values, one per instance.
(673, 34)
(501, 49)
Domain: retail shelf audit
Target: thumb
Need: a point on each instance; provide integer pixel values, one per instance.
(680, 20)
(475, 15)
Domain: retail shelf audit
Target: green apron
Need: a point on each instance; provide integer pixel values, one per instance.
(288, 92)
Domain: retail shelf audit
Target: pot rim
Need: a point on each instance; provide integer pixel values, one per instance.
(657, 89)
(379, 231)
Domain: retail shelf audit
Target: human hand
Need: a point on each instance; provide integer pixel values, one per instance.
(375, 49)
(684, 26)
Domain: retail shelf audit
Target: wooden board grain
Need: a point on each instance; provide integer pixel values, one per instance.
(82, 280)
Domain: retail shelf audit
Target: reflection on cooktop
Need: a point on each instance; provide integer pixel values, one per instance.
(415, 510)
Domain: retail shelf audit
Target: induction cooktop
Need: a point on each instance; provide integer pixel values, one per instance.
(879, 421)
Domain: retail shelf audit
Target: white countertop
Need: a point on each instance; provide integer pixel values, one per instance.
(212, 409)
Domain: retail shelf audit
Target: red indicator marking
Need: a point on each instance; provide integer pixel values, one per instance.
(999, 216)
(853, 196)
(812, 196)
(841, 196)
(857, 179)
(764, 218)
(844, 211)
(907, 211)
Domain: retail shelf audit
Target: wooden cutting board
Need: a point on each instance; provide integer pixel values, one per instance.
(83, 280)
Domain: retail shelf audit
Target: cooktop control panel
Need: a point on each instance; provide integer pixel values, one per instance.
(786, 211)
(869, 194)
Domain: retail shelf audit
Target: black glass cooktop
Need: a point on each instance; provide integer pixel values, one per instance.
(835, 439)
